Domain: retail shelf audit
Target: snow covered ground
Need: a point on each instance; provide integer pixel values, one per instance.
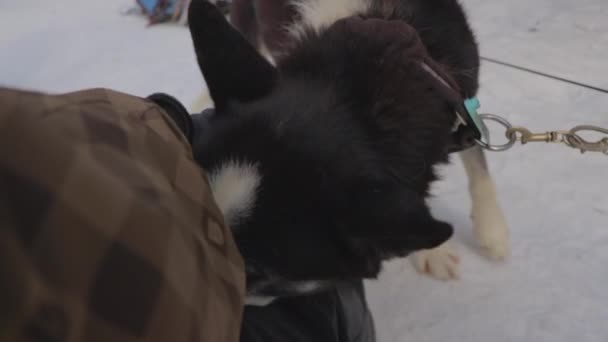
(554, 285)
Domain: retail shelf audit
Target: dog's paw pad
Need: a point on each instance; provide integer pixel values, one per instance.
(440, 263)
(491, 233)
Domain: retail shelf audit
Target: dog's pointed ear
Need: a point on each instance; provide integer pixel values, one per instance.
(233, 69)
(391, 221)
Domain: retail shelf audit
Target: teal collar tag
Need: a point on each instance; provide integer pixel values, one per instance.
(472, 105)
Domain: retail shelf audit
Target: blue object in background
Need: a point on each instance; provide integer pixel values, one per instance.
(164, 10)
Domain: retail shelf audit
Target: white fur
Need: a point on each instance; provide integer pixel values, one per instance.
(235, 185)
(317, 15)
(440, 263)
(489, 223)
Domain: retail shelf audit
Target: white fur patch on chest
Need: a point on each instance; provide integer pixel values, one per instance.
(235, 185)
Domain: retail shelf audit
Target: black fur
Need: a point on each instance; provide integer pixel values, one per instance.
(345, 131)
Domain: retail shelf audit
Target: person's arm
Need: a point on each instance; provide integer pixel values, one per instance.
(109, 225)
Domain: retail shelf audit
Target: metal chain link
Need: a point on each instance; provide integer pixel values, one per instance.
(570, 138)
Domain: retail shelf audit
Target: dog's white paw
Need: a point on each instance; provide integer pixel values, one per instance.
(490, 230)
(440, 263)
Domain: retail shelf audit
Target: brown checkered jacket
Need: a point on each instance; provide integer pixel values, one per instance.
(108, 229)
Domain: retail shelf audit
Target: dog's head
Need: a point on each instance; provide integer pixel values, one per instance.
(321, 165)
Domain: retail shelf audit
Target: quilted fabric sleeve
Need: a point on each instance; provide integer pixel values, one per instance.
(108, 229)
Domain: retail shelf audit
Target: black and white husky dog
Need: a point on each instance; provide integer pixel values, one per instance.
(321, 156)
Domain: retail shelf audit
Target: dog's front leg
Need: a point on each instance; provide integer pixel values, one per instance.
(489, 223)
